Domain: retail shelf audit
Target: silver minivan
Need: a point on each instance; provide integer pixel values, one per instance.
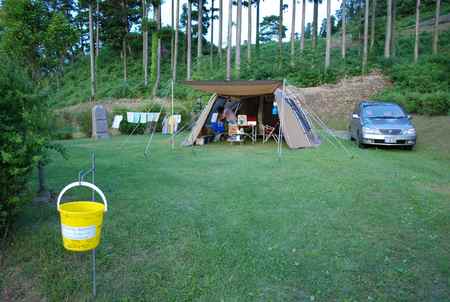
(380, 123)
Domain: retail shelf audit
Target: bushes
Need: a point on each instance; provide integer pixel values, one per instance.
(434, 103)
(24, 137)
(421, 88)
(84, 120)
(126, 127)
(63, 126)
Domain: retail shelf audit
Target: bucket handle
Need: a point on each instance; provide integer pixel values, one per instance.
(82, 184)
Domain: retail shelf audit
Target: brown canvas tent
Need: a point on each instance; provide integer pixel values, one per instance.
(256, 98)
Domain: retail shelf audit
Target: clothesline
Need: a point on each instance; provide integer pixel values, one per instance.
(142, 117)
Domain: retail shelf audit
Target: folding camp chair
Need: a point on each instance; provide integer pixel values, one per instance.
(270, 132)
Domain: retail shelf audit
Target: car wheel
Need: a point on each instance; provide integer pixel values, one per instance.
(350, 133)
(360, 143)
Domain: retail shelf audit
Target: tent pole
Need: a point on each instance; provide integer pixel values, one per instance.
(280, 112)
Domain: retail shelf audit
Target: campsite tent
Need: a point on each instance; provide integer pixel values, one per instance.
(255, 98)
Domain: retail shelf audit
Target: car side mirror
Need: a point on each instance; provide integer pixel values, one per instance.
(409, 117)
(355, 116)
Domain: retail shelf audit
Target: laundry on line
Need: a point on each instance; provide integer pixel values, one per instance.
(117, 120)
(142, 117)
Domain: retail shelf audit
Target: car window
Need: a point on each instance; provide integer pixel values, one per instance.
(383, 111)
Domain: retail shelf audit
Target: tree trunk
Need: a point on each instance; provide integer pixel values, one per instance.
(315, 20)
(328, 45)
(124, 42)
(175, 50)
(212, 32)
(257, 23)
(61, 66)
(189, 41)
(280, 34)
(238, 37)
(366, 37)
(374, 17)
(302, 29)
(249, 32)
(416, 43)
(436, 27)
(229, 33)
(158, 65)
(293, 32)
(158, 50)
(199, 29)
(97, 30)
(393, 21)
(344, 33)
(145, 41)
(124, 57)
(172, 42)
(360, 18)
(219, 49)
(92, 55)
(41, 178)
(387, 39)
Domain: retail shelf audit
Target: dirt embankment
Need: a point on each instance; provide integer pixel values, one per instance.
(337, 101)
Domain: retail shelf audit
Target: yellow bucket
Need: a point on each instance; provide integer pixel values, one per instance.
(81, 221)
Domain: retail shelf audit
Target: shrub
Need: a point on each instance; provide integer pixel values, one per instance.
(84, 121)
(436, 103)
(126, 127)
(24, 137)
(122, 90)
(63, 125)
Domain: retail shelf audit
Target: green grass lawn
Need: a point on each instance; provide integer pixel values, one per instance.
(235, 223)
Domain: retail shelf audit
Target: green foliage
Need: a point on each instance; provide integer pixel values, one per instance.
(24, 137)
(270, 28)
(154, 57)
(84, 121)
(117, 20)
(60, 37)
(206, 17)
(63, 126)
(36, 35)
(307, 69)
(431, 103)
(25, 23)
(421, 88)
(323, 27)
(126, 127)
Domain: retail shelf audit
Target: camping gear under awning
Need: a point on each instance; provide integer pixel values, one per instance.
(237, 88)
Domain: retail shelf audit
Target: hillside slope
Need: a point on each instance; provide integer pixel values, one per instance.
(427, 80)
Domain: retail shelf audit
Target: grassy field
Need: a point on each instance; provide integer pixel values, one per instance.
(235, 223)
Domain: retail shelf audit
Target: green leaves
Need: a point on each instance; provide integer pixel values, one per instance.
(36, 35)
(24, 135)
(269, 28)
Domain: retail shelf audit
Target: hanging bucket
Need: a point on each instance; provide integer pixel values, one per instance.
(81, 221)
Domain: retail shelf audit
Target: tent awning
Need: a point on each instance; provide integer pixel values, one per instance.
(236, 88)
